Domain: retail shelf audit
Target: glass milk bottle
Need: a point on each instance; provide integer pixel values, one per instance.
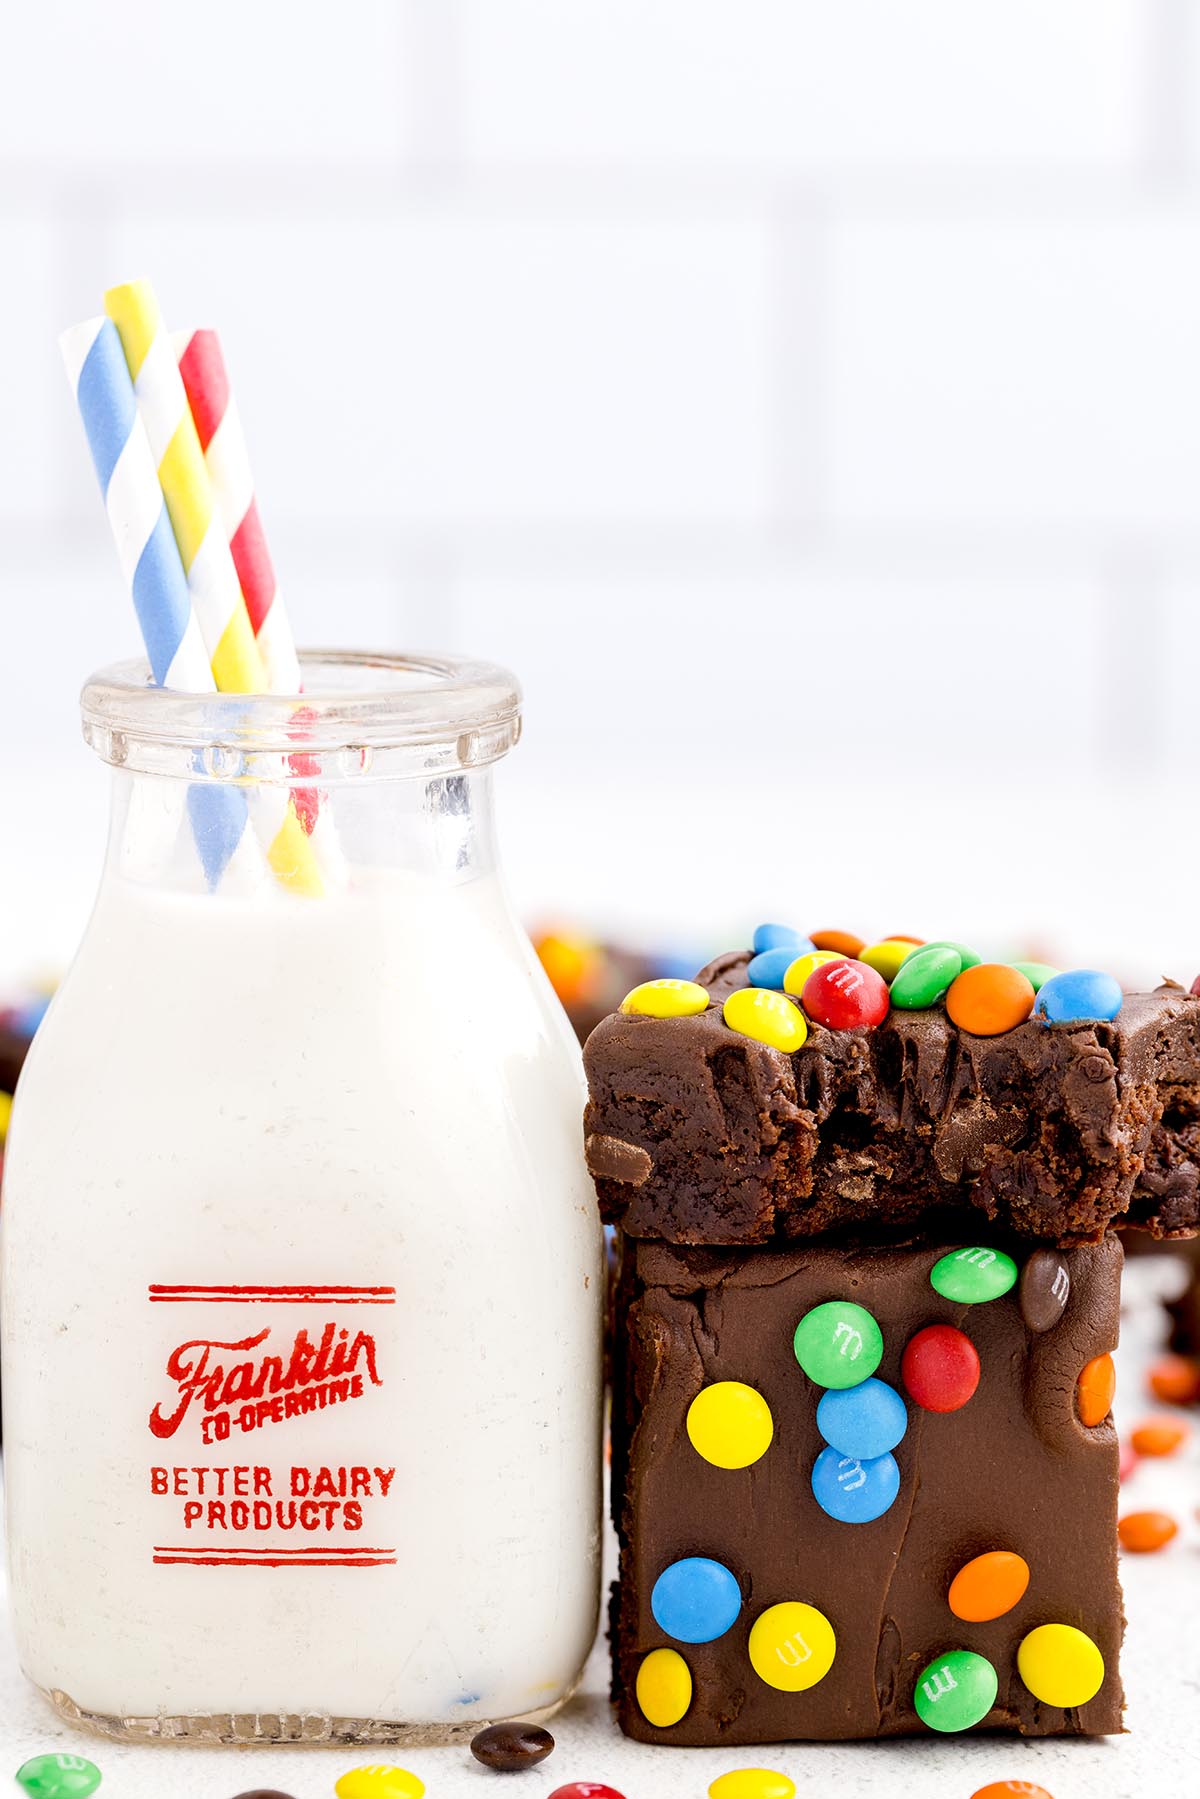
(302, 1279)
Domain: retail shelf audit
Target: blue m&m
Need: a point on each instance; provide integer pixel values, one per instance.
(862, 1422)
(852, 1490)
(1080, 996)
(695, 1600)
(768, 968)
(780, 936)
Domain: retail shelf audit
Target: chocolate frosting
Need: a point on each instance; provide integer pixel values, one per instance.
(696, 1134)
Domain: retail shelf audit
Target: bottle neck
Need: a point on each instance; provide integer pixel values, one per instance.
(233, 839)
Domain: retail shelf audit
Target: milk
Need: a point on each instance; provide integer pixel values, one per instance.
(303, 1297)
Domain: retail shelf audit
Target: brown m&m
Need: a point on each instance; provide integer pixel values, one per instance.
(510, 1747)
(1044, 1290)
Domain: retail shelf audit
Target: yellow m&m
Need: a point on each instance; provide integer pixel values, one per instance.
(1060, 1665)
(792, 1646)
(767, 1017)
(379, 1782)
(797, 972)
(886, 957)
(730, 1424)
(664, 1687)
(666, 999)
(752, 1783)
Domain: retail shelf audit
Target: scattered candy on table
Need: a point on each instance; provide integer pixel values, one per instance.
(1060, 1665)
(1080, 996)
(1143, 1532)
(1158, 1436)
(838, 1344)
(940, 1368)
(853, 1491)
(730, 1424)
(379, 1781)
(845, 995)
(989, 999)
(792, 1646)
(664, 1687)
(1005, 1789)
(1175, 1379)
(973, 1276)
(1044, 1289)
(666, 999)
(863, 1421)
(767, 1017)
(264, 1793)
(956, 1691)
(510, 1747)
(58, 1776)
(752, 1783)
(988, 1586)
(1094, 1390)
(695, 1600)
(585, 1789)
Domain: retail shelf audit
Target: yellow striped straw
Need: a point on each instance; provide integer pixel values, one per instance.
(220, 609)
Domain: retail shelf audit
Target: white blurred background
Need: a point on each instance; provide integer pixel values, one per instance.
(803, 398)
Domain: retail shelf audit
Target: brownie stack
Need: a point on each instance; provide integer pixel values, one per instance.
(941, 1205)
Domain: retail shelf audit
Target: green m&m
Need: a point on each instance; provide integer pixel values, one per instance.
(969, 958)
(1036, 973)
(972, 1276)
(838, 1344)
(924, 976)
(956, 1691)
(59, 1777)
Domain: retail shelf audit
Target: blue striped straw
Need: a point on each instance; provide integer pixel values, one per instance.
(149, 557)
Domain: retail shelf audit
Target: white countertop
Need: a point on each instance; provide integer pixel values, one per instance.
(1158, 1759)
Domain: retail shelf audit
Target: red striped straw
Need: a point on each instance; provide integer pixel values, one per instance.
(218, 423)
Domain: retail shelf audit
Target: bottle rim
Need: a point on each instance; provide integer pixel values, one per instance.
(360, 713)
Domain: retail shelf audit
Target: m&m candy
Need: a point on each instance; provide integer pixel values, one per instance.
(797, 972)
(752, 1783)
(989, 998)
(845, 995)
(766, 1017)
(1143, 1532)
(1011, 1789)
(510, 1748)
(666, 999)
(1036, 973)
(971, 1277)
(988, 1586)
(1044, 1290)
(586, 1789)
(853, 1491)
(940, 1368)
(59, 1776)
(1175, 1378)
(863, 1421)
(1080, 996)
(924, 977)
(844, 943)
(695, 1600)
(779, 936)
(887, 956)
(1158, 1436)
(1060, 1665)
(792, 1646)
(1094, 1390)
(664, 1687)
(838, 1344)
(955, 1692)
(730, 1424)
(379, 1781)
(968, 957)
(769, 967)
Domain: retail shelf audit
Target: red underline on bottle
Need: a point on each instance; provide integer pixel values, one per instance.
(276, 1558)
(248, 1295)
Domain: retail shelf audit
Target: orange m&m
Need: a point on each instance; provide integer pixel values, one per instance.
(988, 1586)
(990, 998)
(1143, 1532)
(842, 943)
(1176, 1378)
(1158, 1436)
(1094, 1390)
(1006, 1789)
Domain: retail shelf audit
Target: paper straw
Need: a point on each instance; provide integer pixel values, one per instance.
(149, 556)
(212, 578)
(219, 428)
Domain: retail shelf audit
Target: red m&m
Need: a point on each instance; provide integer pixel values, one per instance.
(940, 1368)
(843, 996)
(586, 1789)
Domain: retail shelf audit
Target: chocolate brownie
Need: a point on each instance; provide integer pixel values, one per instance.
(697, 1134)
